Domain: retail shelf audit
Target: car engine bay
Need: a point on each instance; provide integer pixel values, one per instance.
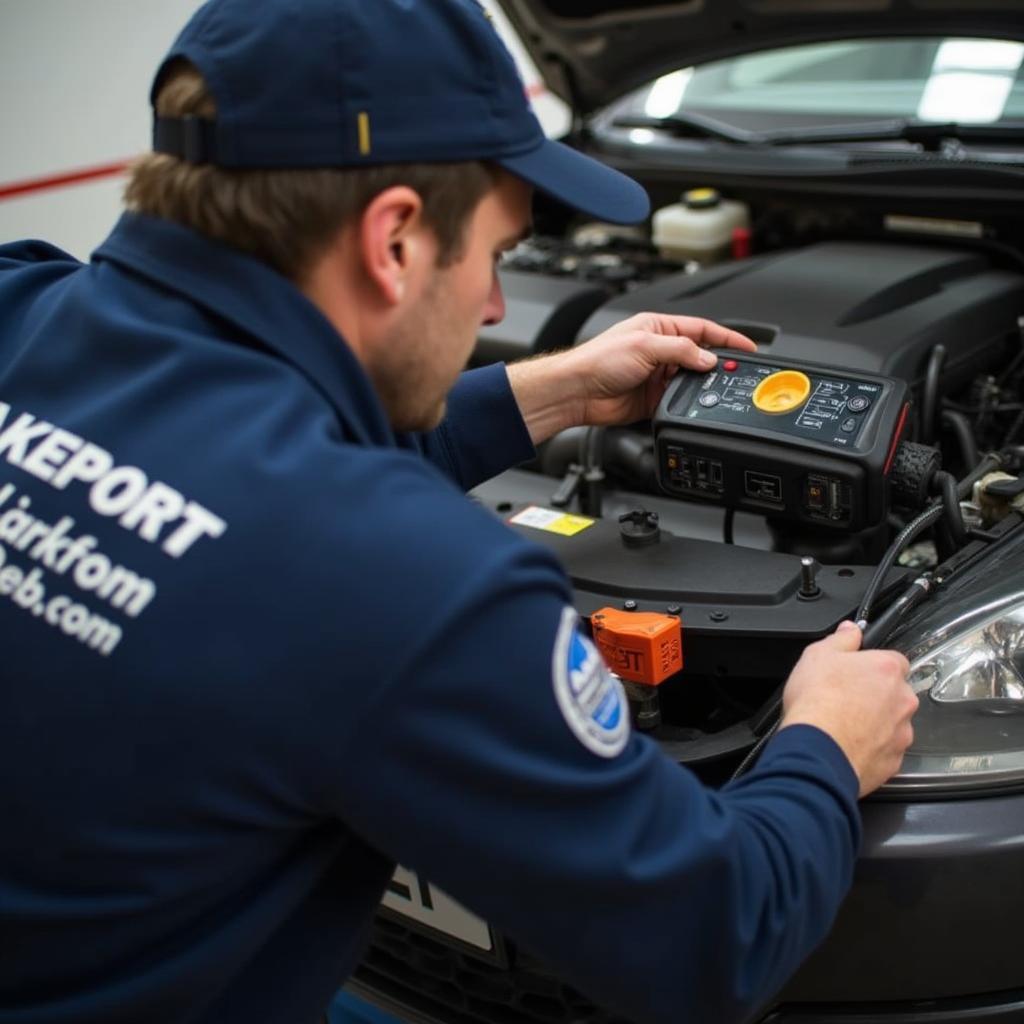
(761, 531)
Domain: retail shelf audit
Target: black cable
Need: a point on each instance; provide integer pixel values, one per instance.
(875, 632)
(961, 428)
(930, 395)
(755, 751)
(878, 631)
(871, 638)
(727, 525)
(916, 526)
(951, 508)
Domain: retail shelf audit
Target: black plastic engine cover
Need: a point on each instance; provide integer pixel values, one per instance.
(741, 608)
(852, 305)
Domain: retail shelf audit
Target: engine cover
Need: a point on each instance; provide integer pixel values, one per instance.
(851, 305)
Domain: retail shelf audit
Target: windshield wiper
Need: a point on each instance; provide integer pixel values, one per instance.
(930, 134)
(684, 123)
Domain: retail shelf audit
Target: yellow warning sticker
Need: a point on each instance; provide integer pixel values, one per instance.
(551, 520)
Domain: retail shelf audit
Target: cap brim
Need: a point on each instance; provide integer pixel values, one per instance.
(581, 182)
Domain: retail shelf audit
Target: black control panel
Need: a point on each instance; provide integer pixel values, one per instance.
(791, 440)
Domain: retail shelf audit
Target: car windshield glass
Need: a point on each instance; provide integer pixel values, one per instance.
(966, 81)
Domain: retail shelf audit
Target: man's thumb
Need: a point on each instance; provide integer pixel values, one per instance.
(847, 637)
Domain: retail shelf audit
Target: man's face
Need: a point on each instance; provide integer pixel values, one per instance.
(418, 365)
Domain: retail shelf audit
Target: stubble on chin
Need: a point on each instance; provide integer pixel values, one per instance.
(411, 401)
(422, 420)
(413, 373)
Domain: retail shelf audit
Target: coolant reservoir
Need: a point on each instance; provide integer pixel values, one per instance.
(700, 227)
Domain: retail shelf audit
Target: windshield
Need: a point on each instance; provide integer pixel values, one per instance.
(970, 81)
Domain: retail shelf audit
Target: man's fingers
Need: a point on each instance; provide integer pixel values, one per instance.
(710, 334)
(705, 333)
(672, 350)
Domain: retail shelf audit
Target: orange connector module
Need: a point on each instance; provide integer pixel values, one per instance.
(643, 647)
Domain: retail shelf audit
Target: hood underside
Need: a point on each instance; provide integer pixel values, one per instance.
(591, 52)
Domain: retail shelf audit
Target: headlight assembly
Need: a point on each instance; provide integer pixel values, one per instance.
(985, 663)
(967, 666)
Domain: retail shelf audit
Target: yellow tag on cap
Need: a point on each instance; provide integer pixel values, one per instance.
(364, 133)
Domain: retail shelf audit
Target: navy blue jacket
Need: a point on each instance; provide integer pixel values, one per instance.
(256, 648)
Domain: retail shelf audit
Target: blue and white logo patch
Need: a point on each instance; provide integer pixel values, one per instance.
(590, 698)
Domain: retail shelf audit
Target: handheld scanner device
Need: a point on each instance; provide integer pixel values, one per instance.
(787, 439)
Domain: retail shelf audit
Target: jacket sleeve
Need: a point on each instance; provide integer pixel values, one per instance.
(483, 432)
(655, 895)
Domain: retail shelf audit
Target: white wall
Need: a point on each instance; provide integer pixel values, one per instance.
(75, 77)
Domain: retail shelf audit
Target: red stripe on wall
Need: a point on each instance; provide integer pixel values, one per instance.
(43, 184)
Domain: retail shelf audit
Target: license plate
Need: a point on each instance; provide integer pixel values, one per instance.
(416, 900)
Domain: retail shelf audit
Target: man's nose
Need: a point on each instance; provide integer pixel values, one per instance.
(494, 310)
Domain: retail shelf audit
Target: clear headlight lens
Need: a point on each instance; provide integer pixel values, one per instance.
(982, 661)
(966, 657)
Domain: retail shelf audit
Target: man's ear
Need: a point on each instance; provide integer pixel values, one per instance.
(393, 240)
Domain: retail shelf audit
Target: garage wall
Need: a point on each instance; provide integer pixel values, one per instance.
(74, 81)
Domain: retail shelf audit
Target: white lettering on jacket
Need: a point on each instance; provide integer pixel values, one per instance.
(152, 509)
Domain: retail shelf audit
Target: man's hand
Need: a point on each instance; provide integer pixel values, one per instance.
(860, 698)
(617, 377)
(625, 370)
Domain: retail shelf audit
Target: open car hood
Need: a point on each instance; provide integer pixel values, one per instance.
(589, 53)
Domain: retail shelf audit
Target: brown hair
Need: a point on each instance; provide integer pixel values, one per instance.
(286, 217)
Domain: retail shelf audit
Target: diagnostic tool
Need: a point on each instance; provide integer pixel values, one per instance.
(790, 440)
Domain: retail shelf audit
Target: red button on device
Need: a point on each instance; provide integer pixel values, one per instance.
(730, 365)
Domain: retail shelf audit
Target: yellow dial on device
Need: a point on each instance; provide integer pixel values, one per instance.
(782, 391)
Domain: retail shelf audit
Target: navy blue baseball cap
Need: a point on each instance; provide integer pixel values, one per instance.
(350, 83)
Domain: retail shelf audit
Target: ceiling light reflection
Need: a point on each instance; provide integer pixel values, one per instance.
(970, 81)
(667, 93)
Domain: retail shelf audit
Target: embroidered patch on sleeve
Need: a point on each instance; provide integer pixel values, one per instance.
(590, 698)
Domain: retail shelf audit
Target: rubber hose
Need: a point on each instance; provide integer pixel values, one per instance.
(961, 427)
(930, 397)
(951, 508)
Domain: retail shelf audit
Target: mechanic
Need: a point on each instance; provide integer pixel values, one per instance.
(258, 645)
